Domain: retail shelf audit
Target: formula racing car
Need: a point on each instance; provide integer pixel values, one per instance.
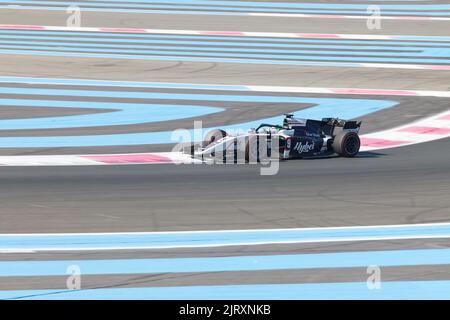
(295, 138)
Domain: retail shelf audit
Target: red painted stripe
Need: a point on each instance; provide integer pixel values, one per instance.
(128, 158)
(123, 30)
(425, 130)
(374, 142)
(318, 35)
(446, 117)
(374, 91)
(437, 67)
(22, 26)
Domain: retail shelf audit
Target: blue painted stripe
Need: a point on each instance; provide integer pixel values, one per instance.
(241, 40)
(150, 7)
(419, 38)
(235, 12)
(181, 58)
(241, 52)
(220, 42)
(141, 95)
(126, 114)
(225, 42)
(86, 82)
(218, 238)
(343, 49)
(132, 113)
(432, 290)
(188, 12)
(229, 264)
(222, 57)
(241, 5)
(217, 51)
(205, 8)
(64, 8)
(342, 108)
(300, 5)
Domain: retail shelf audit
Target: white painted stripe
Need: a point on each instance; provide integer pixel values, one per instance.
(326, 234)
(244, 243)
(249, 243)
(391, 65)
(80, 160)
(350, 228)
(222, 33)
(442, 94)
(355, 91)
(17, 251)
(404, 66)
(259, 88)
(43, 160)
(178, 157)
(290, 89)
(330, 16)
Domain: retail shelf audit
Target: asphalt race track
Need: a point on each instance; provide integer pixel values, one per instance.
(375, 188)
(86, 117)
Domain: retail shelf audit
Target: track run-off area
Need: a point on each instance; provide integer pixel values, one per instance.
(90, 188)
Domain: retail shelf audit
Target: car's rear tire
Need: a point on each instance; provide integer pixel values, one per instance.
(346, 144)
(214, 135)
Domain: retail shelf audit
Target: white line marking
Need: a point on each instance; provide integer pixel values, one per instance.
(188, 243)
(388, 226)
(331, 16)
(218, 33)
(241, 243)
(17, 251)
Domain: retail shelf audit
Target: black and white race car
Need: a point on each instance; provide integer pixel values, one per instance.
(295, 138)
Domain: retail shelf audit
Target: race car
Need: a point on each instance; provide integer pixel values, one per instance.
(294, 138)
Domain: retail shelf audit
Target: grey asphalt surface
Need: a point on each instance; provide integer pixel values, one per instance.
(231, 278)
(394, 186)
(224, 73)
(227, 23)
(403, 185)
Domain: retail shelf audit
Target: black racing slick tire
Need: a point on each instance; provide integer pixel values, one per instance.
(346, 144)
(214, 135)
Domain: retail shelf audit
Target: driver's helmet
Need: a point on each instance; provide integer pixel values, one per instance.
(290, 122)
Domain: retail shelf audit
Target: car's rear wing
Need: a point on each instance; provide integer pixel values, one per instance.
(330, 124)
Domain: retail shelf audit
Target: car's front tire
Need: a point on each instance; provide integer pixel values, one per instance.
(214, 135)
(252, 154)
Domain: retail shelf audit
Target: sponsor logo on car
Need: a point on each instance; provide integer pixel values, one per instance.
(306, 147)
(314, 135)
